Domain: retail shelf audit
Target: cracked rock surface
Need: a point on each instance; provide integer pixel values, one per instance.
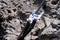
(13, 15)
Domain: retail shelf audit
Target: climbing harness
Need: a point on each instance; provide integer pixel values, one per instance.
(31, 22)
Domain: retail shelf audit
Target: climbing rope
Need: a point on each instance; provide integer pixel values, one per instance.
(31, 21)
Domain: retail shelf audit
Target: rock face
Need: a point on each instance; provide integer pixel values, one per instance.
(13, 15)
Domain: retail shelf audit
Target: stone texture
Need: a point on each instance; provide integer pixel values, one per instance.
(13, 15)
